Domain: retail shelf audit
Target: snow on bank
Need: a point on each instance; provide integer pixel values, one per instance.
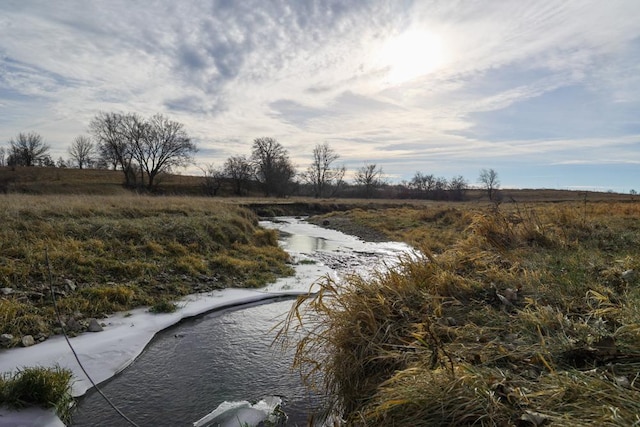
(125, 336)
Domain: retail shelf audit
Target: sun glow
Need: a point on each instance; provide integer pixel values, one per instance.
(412, 54)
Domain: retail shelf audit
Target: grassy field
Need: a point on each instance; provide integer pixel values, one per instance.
(521, 315)
(40, 180)
(112, 253)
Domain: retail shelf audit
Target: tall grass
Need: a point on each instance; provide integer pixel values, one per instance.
(529, 317)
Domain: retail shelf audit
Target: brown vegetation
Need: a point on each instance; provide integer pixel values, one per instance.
(112, 253)
(522, 315)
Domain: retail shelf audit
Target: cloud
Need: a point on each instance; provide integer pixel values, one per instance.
(518, 80)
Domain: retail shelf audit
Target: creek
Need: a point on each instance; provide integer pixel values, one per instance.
(227, 355)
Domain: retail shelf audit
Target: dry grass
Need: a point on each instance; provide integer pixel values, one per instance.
(530, 317)
(111, 253)
(41, 180)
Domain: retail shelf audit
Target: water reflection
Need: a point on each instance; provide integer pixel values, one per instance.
(307, 244)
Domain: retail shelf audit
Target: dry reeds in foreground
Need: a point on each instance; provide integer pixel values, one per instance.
(530, 319)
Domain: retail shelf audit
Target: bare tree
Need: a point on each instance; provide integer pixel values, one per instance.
(213, 179)
(163, 144)
(272, 166)
(423, 184)
(46, 161)
(82, 151)
(369, 177)
(457, 188)
(440, 187)
(108, 130)
(139, 146)
(27, 149)
(135, 129)
(489, 180)
(2, 156)
(62, 163)
(320, 174)
(239, 170)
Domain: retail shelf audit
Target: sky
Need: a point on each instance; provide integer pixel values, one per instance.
(545, 92)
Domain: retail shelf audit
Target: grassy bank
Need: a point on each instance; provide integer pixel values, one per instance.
(522, 315)
(113, 253)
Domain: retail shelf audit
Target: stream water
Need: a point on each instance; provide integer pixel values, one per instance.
(189, 369)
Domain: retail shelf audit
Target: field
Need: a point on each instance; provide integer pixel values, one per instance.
(525, 312)
(518, 314)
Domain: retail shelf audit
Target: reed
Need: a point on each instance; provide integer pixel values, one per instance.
(529, 317)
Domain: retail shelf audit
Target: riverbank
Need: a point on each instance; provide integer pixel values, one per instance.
(125, 334)
(102, 254)
(512, 315)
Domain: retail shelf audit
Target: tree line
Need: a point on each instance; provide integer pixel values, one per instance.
(145, 148)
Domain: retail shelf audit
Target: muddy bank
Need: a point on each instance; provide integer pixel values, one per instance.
(284, 207)
(346, 225)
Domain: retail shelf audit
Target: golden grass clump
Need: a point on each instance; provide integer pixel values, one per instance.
(528, 318)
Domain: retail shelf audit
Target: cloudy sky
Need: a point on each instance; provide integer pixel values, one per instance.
(546, 92)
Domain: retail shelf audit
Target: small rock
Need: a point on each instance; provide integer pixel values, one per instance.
(6, 340)
(511, 337)
(511, 294)
(73, 325)
(534, 418)
(6, 291)
(628, 275)
(70, 285)
(28, 341)
(326, 222)
(94, 326)
(447, 321)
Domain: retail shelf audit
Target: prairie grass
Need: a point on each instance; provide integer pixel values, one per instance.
(529, 316)
(113, 253)
(435, 225)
